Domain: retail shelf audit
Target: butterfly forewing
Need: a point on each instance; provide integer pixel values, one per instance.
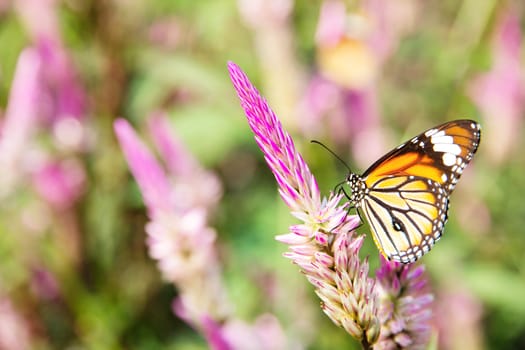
(440, 154)
(407, 190)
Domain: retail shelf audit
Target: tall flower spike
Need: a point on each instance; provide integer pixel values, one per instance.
(324, 245)
(182, 242)
(20, 117)
(404, 306)
(179, 238)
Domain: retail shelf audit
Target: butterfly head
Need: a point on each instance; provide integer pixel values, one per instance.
(357, 188)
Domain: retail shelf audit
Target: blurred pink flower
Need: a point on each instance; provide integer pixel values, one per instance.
(39, 17)
(200, 188)
(29, 114)
(265, 333)
(65, 96)
(62, 100)
(14, 330)
(405, 306)
(260, 13)
(342, 101)
(44, 284)
(347, 116)
(179, 237)
(332, 23)
(271, 23)
(20, 118)
(60, 182)
(500, 93)
(214, 334)
(343, 55)
(4, 6)
(459, 319)
(148, 173)
(388, 22)
(166, 33)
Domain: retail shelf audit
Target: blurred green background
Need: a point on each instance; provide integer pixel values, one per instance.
(77, 275)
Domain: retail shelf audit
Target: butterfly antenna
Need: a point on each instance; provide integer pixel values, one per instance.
(333, 153)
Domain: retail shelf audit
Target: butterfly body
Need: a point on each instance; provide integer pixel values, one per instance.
(405, 194)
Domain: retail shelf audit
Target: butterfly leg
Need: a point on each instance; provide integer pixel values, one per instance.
(361, 222)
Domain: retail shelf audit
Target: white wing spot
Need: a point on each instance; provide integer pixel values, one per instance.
(444, 177)
(441, 139)
(447, 148)
(438, 134)
(430, 132)
(449, 159)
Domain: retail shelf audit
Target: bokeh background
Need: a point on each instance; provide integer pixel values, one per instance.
(360, 76)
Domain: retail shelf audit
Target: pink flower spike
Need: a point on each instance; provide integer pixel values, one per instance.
(213, 334)
(66, 96)
(405, 306)
(60, 183)
(273, 139)
(323, 246)
(150, 177)
(177, 158)
(332, 23)
(20, 116)
(15, 330)
(499, 94)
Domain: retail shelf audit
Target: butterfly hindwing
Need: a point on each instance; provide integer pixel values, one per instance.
(407, 215)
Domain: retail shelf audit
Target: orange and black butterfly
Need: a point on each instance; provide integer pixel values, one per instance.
(405, 194)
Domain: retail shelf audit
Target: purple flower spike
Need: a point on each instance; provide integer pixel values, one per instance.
(150, 176)
(404, 309)
(324, 246)
(20, 118)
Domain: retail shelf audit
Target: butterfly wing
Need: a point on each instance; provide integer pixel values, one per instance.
(407, 198)
(440, 154)
(406, 214)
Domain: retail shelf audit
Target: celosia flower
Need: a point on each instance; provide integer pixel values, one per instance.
(20, 117)
(404, 306)
(178, 235)
(271, 23)
(199, 188)
(323, 246)
(44, 284)
(326, 247)
(265, 333)
(459, 318)
(342, 99)
(60, 183)
(183, 244)
(44, 90)
(62, 102)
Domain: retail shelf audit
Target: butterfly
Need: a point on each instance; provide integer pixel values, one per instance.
(405, 194)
